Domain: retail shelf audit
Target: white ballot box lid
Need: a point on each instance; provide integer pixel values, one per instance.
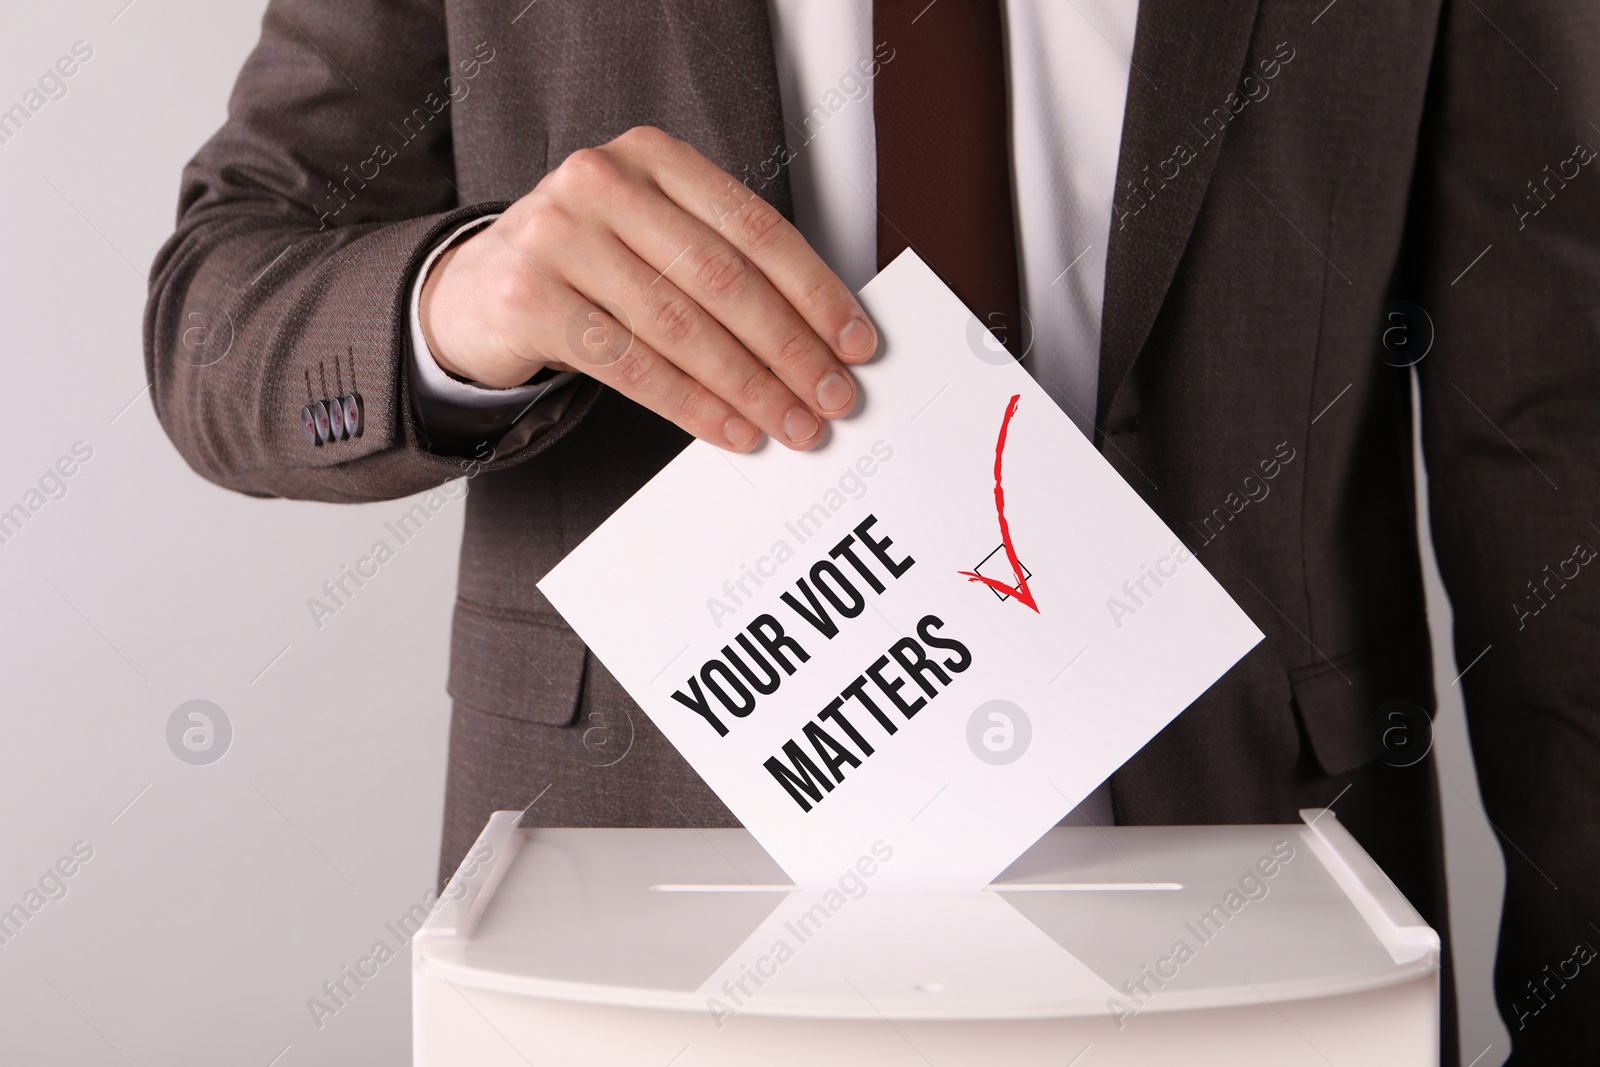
(1162, 918)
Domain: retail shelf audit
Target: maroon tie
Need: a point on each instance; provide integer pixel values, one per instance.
(944, 160)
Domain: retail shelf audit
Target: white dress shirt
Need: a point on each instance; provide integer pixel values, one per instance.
(1067, 72)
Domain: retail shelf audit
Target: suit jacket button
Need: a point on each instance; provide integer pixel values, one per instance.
(308, 424)
(336, 418)
(352, 414)
(319, 411)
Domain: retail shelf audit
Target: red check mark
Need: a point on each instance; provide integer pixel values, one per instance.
(1020, 590)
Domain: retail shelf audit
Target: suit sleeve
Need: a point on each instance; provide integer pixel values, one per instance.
(1509, 205)
(300, 226)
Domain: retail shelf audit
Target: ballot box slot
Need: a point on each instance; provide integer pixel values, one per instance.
(998, 887)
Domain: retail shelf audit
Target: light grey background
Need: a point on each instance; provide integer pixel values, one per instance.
(220, 898)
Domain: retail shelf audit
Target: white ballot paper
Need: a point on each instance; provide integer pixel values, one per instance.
(935, 633)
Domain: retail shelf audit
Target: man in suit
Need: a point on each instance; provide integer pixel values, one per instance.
(542, 244)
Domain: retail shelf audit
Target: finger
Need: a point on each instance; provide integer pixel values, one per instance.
(717, 276)
(765, 237)
(688, 336)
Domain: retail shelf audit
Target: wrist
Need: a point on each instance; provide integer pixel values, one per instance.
(430, 312)
(445, 316)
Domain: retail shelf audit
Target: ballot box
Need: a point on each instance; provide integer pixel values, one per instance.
(1280, 945)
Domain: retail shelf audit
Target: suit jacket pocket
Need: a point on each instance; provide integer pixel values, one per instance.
(515, 665)
(1338, 702)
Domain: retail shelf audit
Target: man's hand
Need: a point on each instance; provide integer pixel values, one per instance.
(645, 266)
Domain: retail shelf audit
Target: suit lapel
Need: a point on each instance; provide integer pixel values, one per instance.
(1188, 57)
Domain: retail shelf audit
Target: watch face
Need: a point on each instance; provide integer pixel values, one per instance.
(319, 410)
(336, 418)
(308, 423)
(352, 415)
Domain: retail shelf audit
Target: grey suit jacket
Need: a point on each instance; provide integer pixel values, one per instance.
(1289, 171)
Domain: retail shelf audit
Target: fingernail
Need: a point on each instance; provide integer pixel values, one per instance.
(801, 425)
(834, 393)
(856, 338)
(738, 432)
